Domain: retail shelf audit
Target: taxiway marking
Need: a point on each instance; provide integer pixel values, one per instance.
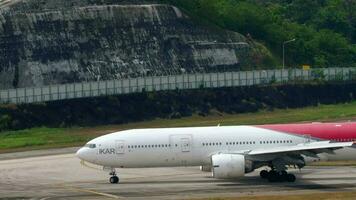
(92, 192)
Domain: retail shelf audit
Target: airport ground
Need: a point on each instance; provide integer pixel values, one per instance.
(44, 138)
(58, 174)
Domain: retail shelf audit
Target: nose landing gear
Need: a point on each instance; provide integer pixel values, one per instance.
(274, 176)
(114, 179)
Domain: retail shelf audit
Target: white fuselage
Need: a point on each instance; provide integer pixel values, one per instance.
(170, 147)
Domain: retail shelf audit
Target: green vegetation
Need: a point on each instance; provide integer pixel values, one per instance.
(38, 138)
(325, 30)
(41, 137)
(175, 104)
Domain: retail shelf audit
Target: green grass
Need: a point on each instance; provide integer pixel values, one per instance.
(39, 138)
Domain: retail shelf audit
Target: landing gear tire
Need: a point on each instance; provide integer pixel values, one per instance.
(282, 176)
(273, 176)
(290, 178)
(264, 174)
(114, 180)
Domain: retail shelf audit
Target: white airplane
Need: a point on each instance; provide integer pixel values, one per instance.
(228, 151)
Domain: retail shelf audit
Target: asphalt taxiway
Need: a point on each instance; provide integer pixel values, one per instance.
(63, 177)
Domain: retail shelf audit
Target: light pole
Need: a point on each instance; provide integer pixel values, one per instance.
(284, 43)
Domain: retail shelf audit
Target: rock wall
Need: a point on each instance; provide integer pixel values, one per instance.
(50, 42)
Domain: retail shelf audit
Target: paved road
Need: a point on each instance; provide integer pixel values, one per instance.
(63, 177)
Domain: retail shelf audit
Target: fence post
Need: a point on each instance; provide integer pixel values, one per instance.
(122, 87)
(8, 95)
(137, 87)
(33, 95)
(41, 94)
(25, 91)
(90, 89)
(58, 97)
(106, 87)
(50, 92)
(239, 78)
(175, 81)
(160, 83)
(232, 79)
(130, 86)
(82, 89)
(98, 86)
(225, 81)
(246, 78)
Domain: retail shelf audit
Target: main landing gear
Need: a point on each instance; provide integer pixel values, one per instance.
(274, 176)
(114, 179)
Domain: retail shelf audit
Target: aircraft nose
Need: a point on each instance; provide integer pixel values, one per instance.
(81, 154)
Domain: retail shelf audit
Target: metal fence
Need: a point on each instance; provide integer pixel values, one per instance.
(183, 81)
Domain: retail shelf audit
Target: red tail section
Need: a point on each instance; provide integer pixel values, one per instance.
(341, 132)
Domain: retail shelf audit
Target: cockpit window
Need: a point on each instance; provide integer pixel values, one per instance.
(91, 146)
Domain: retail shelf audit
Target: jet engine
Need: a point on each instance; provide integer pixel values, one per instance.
(227, 166)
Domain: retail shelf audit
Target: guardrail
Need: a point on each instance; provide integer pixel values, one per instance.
(183, 81)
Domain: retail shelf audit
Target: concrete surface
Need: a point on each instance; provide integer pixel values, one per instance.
(37, 153)
(63, 177)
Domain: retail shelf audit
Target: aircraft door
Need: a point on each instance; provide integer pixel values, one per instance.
(120, 147)
(182, 149)
(185, 144)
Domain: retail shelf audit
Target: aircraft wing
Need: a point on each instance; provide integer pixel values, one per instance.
(313, 147)
(295, 155)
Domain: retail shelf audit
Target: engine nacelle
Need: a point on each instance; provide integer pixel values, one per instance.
(226, 166)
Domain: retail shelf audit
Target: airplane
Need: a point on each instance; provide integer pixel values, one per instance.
(229, 152)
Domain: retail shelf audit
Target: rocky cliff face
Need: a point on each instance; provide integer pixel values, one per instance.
(50, 42)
